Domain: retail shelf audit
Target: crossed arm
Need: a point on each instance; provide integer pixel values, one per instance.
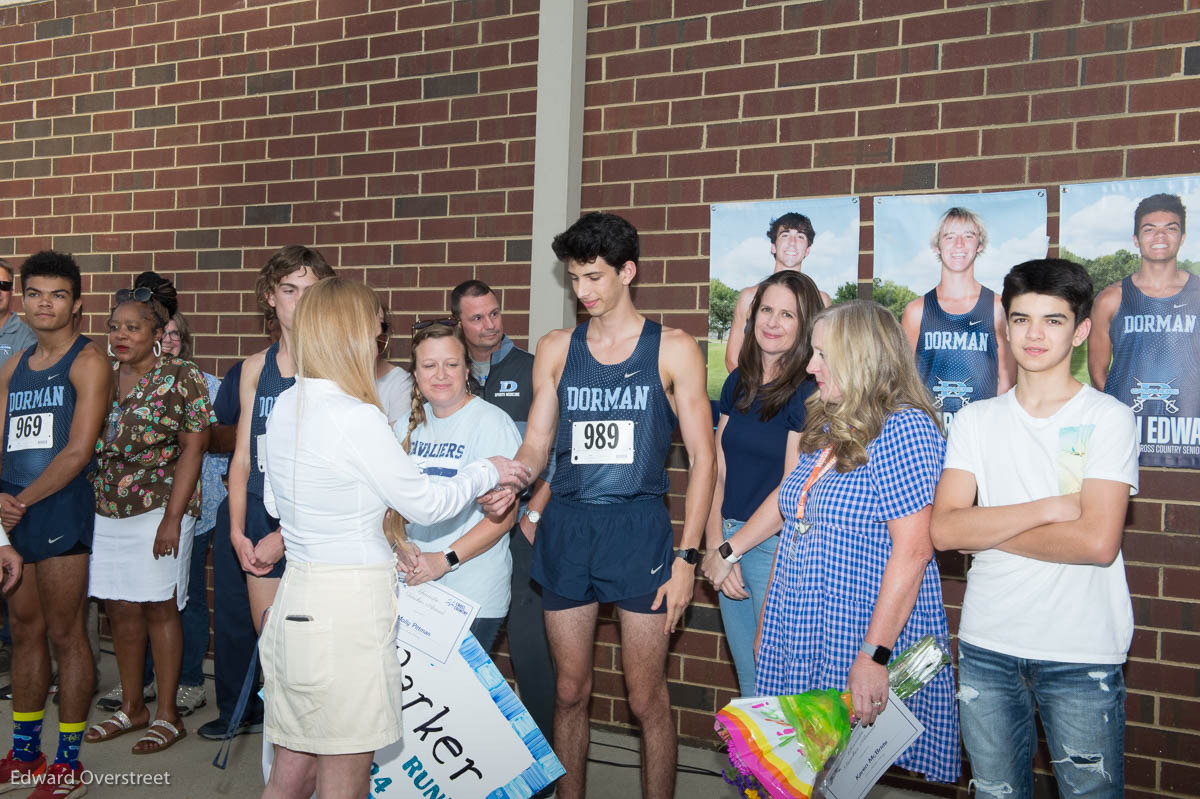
(1083, 528)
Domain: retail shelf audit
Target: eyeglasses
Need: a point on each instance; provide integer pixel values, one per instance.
(172, 335)
(141, 294)
(6, 285)
(449, 321)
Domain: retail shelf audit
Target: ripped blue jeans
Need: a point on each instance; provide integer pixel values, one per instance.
(1082, 706)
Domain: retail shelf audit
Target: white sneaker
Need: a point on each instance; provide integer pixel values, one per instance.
(188, 698)
(112, 700)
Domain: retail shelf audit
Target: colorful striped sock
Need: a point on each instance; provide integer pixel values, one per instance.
(70, 736)
(27, 735)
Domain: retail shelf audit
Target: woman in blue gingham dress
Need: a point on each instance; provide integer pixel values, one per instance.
(826, 581)
(856, 572)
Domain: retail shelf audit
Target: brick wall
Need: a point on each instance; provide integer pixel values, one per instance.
(717, 101)
(195, 136)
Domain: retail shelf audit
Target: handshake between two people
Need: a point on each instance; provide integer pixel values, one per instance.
(514, 478)
(417, 566)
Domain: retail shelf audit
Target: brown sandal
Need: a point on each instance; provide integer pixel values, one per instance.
(159, 740)
(121, 725)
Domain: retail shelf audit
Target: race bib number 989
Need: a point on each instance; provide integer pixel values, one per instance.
(31, 431)
(602, 442)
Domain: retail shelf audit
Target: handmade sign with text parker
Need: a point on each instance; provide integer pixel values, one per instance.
(466, 734)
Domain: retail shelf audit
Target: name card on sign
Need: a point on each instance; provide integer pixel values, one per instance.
(466, 734)
(871, 750)
(433, 619)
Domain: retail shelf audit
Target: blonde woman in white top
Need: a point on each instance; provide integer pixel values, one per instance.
(332, 680)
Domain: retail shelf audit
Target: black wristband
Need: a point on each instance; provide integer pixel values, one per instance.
(879, 654)
(690, 556)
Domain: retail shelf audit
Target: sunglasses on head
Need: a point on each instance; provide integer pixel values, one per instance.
(6, 285)
(448, 322)
(140, 294)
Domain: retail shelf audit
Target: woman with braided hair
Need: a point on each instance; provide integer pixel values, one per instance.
(446, 428)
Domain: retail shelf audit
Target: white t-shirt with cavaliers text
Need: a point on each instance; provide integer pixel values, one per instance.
(440, 448)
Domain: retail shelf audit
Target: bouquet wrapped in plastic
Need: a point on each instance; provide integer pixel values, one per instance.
(913, 668)
(779, 744)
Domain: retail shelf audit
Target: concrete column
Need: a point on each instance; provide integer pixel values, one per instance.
(558, 158)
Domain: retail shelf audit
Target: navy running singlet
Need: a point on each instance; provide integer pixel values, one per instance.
(41, 405)
(956, 353)
(614, 424)
(270, 385)
(1156, 370)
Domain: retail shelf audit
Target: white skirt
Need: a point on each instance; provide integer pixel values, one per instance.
(123, 566)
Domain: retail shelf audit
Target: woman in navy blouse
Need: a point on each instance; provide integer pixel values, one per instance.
(762, 414)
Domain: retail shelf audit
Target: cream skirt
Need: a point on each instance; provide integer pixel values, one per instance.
(331, 678)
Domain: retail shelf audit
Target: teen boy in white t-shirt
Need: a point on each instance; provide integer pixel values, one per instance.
(1046, 619)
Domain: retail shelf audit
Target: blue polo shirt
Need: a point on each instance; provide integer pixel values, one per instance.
(15, 336)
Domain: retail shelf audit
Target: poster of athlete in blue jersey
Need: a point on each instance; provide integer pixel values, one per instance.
(962, 244)
(1144, 346)
(748, 242)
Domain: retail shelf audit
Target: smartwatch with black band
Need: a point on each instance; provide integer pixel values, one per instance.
(690, 556)
(879, 654)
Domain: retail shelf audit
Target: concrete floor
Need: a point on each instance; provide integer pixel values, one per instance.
(185, 771)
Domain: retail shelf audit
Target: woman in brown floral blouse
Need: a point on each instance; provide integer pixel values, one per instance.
(147, 503)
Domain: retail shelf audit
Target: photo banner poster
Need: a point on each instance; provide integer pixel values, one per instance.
(960, 350)
(740, 256)
(1154, 341)
(466, 734)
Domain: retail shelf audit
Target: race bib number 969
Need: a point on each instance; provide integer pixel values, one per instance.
(602, 442)
(31, 431)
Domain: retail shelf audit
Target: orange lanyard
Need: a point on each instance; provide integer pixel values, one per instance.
(819, 468)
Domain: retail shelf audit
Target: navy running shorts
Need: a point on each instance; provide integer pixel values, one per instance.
(618, 552)
(60, 524)
(635, 604)
(260, 524)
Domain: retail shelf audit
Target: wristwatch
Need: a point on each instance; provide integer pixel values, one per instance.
(879, 654)
(690, 556)
(533, 516)
(726, 553)
(452, 559)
